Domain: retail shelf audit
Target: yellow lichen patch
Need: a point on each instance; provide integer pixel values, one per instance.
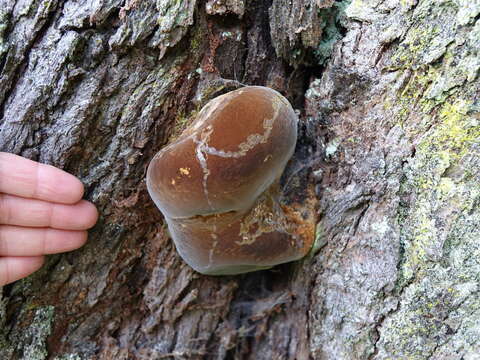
(446, 187)
(440, 195)
(457, 131)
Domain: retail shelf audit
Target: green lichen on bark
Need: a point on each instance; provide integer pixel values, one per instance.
(439, 110)
(442, 185)
(439, 272)
(331, 20)
(29, 342)
(401, 97)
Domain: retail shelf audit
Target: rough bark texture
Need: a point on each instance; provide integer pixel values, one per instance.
(388, 97)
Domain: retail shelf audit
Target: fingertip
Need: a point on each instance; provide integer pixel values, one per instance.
(77, 189)
(36, 262)
(91, 214)
(24, 241)
(74, 240)
(68, 188)
(16, 268)
(82, 239)
(80, 216)
(59, 241)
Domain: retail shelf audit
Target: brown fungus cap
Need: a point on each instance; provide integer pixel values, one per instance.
(236, 148)
(216, 185)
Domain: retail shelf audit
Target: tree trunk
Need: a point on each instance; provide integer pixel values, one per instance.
(387, 92)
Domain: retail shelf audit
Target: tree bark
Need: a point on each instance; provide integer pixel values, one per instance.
(387, 92)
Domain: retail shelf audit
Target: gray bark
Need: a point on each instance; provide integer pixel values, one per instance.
(387, 92)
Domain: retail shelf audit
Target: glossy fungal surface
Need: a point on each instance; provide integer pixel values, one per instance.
(217, 185)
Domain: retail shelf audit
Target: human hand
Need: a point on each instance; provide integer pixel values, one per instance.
(41, 212)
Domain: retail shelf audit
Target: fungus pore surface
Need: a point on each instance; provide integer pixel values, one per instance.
(217, 185)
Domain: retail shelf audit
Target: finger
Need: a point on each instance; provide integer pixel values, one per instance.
(30, 179)
(21, 241)
(15, 268)
(36, 213)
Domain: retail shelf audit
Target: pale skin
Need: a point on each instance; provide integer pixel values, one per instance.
(41, 213)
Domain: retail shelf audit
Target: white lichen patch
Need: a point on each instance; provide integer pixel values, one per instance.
(468, 10)
(68, 357)
(382, 228)
(362, 10)
(332, 147)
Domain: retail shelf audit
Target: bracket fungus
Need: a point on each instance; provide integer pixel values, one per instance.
(218, 187)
